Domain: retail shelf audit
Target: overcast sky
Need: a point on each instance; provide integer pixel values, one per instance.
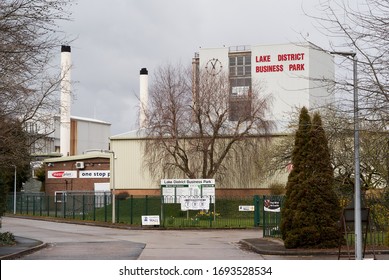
(116, 38)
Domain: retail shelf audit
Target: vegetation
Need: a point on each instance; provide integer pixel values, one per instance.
(28, 37)
(277, 189)
(3, 196)
(190, 130)
(363, 28)
(311, 208)
(6, 239)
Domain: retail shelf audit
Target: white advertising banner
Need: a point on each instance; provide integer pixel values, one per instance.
(94, 174)
(62, 174)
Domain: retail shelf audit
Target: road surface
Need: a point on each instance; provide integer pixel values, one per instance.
(74, 241)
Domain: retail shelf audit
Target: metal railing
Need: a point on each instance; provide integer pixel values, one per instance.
(224, 212)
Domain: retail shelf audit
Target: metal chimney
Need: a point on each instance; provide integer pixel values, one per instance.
(66, 92)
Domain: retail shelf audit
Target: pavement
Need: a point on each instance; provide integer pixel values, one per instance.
(263, 246)
(22, 247)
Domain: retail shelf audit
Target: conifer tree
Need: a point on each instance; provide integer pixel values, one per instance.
(311, 208)
(294, 197)
(324, 208)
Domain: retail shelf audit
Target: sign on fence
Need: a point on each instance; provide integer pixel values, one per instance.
(271, 206)
(175, 190)
(246, 208)
(150, 221)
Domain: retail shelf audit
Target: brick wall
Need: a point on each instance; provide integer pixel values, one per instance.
(75, 184)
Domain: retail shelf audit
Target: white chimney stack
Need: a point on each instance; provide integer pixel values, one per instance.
(144, 97)
(66, 92)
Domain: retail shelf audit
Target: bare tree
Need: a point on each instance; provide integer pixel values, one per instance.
(339, 127)
(361, 27)
(190, 132)
(29, 36)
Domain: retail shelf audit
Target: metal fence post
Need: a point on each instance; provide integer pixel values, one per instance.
(105, 206)
(263, 219)
(40, 205)
(48, 205)
(117, 210)
(146, 205)
(94, 208)
(256, 211)
(27, 204)
(73, 208)
(65, 200)
(83, 207)
(55, 207)
(211, 217)
(33, 205)
(162, 211)
(131, 209)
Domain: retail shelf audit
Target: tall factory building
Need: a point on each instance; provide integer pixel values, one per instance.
(294, 75)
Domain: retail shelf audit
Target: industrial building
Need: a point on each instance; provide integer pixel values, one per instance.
(64, 136)
(295, 75)
(81, 173)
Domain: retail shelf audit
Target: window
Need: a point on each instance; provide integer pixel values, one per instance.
(240, 65)
(240, 86)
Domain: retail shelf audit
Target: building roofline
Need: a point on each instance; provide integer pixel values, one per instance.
(140, 135)
(79, 157)
(89, 120)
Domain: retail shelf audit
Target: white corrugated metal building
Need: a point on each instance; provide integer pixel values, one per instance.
(129, 174)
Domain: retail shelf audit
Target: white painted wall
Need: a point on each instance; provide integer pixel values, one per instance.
(91, 134)
(214, 53)
(293, 81)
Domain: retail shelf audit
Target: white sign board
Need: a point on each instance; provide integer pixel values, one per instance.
(246, 208)
(102, 187)
(168, 194)
(271, 206)
(94, 174)
(61, 174)
(168, 191)
(194, 190)
(150, 221)
(195, 204)
(187, 181)
(209, 192)
(176, 190)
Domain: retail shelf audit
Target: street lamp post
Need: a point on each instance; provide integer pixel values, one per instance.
(357, 185)
(15, 190)
(112, 179)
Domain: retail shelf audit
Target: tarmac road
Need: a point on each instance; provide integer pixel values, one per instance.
(67, 241)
